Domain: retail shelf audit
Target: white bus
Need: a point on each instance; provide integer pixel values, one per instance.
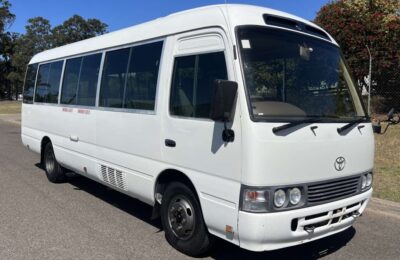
(233, 121)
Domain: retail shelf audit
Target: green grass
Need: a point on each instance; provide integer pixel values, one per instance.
(387, 165)
(10, 107)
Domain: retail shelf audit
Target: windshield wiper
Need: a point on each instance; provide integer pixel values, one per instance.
(295, 123)
(351, 124)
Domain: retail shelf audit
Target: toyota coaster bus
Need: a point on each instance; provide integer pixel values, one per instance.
(232, 121)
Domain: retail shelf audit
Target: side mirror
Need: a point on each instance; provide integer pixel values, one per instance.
(377, 129)
(390, 115)
(224, 95)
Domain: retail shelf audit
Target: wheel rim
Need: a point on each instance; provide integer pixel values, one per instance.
(49, 162)
(181, 217)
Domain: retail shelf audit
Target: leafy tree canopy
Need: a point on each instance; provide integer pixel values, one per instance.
(356, 24)
(16, 50)
(6, 46)
(6, 17)
(76, 29)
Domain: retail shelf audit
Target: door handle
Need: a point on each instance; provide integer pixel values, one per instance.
(74, 138)
(170, 143)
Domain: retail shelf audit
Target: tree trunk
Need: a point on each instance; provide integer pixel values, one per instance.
(8, 87)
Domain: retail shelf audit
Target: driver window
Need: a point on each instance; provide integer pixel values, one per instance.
(192, 84)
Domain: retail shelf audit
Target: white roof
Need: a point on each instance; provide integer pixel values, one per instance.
(208, 16)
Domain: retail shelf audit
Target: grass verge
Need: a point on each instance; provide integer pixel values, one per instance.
(387, 165)
(10, 107)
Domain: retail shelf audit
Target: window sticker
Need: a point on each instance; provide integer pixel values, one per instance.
(246, 44)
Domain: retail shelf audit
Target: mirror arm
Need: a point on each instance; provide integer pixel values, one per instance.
(391, 122)
(228, 135)
(386, 128)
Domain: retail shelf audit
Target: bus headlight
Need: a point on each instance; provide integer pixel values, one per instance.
(279, 198)
(271, 199)
(364, 182)
(369, 180)
(295, 196)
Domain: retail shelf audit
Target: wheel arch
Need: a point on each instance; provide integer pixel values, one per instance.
(168, 176)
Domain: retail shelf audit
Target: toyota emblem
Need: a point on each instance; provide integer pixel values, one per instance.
(340, 163)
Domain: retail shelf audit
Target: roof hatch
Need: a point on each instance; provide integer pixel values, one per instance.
(294, 25)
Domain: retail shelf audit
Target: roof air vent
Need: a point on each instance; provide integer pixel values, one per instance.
(294, 25)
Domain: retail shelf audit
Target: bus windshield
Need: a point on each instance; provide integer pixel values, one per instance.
(292, 75)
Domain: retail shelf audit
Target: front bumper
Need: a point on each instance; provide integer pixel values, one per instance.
(270, 231)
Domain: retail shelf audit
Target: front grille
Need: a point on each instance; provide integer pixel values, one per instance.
(333, 190)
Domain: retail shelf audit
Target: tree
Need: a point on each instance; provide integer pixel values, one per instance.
(11, 87)
(6, 17)
(38, 35)
(76, 29)
(356, 24)
(41, 36)
(17, 50)
(6, 49)
(36, 39)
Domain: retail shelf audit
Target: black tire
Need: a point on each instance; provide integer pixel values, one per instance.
(193, 238)
(54, 172)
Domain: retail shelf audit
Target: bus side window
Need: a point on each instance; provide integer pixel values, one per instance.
(70, 81)
(142, 76)
(29, 87)
(192, 84)
(113, 78)
(87, 86)
(48, 82)
(80, 80)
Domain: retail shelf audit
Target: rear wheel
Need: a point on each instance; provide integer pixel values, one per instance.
(54, 172)
(183, 222)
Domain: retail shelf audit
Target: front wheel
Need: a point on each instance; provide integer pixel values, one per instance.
(54, 172)
(183, 222)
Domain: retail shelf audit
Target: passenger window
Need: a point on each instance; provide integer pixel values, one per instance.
(48, 82)
(193, 82)
(142, 76)
(29, 87)
(80, 80)
(113, 78)
(87, 86)
(70, 82)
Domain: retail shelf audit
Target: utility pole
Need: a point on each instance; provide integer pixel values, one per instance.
(369, 80)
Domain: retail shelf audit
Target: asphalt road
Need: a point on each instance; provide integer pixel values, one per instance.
(82, 219)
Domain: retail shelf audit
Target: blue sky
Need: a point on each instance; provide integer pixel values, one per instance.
(123, 13)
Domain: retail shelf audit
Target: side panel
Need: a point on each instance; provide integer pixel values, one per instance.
(130, 143)
(119, 150)
(60, 125)
(29, 138)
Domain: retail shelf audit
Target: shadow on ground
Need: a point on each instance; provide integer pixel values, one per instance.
(223, 249)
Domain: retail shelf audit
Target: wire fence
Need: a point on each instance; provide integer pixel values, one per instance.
(383, 98)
